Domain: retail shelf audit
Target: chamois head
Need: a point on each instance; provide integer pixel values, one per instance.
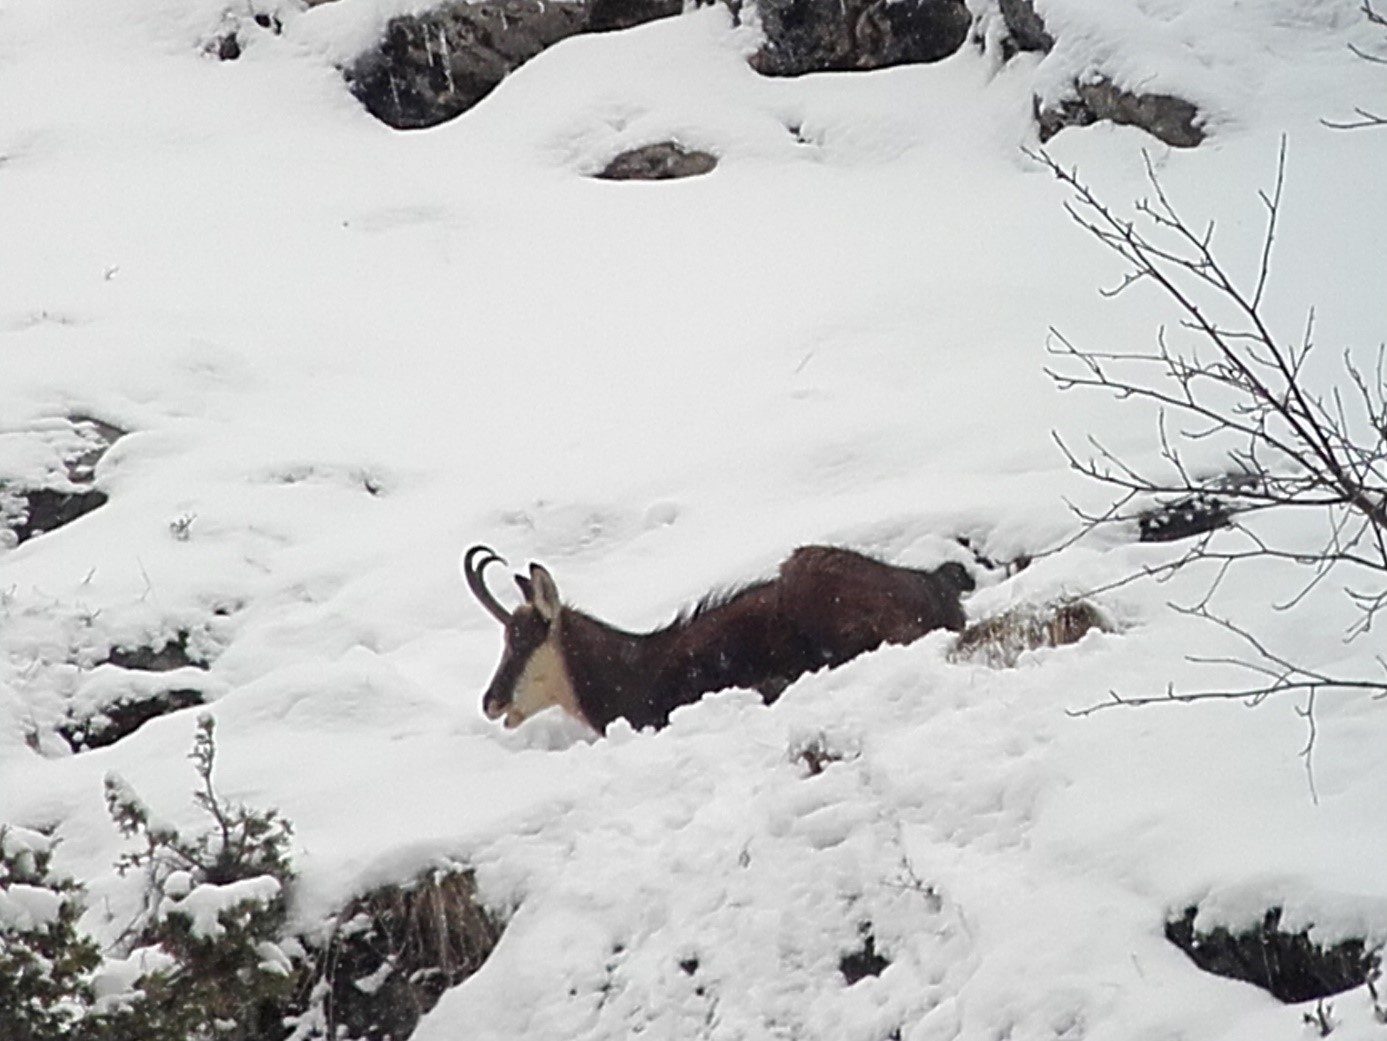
(532, 674)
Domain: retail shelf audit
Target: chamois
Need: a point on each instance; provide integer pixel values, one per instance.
(825, 606)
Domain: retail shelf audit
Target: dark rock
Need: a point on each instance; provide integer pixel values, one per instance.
(1171, 119)
(172, 654)
(863, 962)
(226, 47)
(99, 437)
(1183, 518)
(605, 15)
(822, 35)
(1288, 965)
(32, 511)
(45, 509)
(122, 718)
(433, 66)
(1025, 28)
(659, 162)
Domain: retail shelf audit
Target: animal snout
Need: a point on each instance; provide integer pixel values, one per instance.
(494, 704)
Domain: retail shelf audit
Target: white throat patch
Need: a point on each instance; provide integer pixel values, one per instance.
(543, 683)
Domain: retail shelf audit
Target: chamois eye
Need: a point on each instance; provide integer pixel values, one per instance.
(528, 630)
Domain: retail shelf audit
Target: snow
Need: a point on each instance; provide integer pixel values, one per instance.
(205, 903)
(24, 907)
(349, 353)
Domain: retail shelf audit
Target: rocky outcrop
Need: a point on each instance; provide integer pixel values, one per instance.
(433, 66)
(664, 161)
(825, 35)
(605, 15)
(428, 68)
(1025, 29)
(1287, 964)
(1173, 120)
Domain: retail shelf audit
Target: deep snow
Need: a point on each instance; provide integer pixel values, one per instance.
(657, 389)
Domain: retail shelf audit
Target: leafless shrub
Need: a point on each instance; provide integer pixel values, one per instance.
(1228, 383)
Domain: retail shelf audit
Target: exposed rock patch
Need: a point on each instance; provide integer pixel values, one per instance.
(115, 718)
(1025, 29)
(1289, 965)
(1208, 509)
(433, 66)
(1171, 119)
(665, 161)
(1183, 518)
(836, 35)
(606, 15)
(429, 67)
(38, 511)
(174, 653)
(123, 717)
(33, 507)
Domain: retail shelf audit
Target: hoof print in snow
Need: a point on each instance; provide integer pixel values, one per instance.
(1288, 965)
(432, 66)
(1000, 641)
(121, 718)
(396, 949)
(1171, 119)
(665, 161)
(842, 35)
(863, 962)
(35, 505)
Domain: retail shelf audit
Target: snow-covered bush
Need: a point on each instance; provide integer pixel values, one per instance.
(46, 965)
(215, 905)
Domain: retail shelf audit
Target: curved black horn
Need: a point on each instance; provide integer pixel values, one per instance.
(472, 570)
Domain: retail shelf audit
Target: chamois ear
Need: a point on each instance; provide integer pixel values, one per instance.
(527, 589)
(546, 593)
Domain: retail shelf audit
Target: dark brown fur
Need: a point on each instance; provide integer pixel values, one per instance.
(826, 606)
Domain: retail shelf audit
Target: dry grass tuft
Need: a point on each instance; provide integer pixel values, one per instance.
(396, 950)
(999, 642)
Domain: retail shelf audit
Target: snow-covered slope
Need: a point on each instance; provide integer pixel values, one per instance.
(345, 354)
